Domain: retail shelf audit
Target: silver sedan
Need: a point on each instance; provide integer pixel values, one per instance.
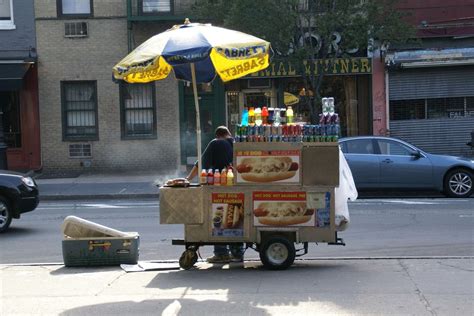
(385, 162)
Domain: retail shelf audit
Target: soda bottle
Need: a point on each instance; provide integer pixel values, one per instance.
(325, 109)
(276, 117)
(258, 116)
(265, 115)
(230, 176)
(210, 177)
(289, 115)
(203, 177)
(217, 177)
(271, 115)
(251, 116)
(224, 177)
(245, 117)
(331, 106)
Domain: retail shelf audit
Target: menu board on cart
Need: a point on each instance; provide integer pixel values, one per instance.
(282, 209)
(268, 166)
(227, 214)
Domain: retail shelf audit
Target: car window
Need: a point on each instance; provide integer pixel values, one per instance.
(359, 146)
(393, 148)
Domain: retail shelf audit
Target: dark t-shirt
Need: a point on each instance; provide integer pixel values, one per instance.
(218, 154)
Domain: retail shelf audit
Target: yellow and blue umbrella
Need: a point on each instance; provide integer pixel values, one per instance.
(197, 53)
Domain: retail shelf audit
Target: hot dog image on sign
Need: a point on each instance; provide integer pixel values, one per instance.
(281, 209)
(263, 166)
(227, 214)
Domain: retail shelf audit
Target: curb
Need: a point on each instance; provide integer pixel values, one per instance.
(36, 264)
(98, 196)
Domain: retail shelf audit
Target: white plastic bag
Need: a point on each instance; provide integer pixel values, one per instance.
(345, 191)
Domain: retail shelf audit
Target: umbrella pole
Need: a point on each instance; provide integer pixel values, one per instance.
(198, 119)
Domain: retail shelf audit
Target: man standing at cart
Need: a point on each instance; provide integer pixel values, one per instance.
(218, 155)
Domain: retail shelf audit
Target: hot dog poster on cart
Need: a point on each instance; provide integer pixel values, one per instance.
(227, 214)
(263, 166)
(281, 209)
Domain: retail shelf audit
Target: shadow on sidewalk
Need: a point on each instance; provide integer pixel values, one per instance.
(248, 290)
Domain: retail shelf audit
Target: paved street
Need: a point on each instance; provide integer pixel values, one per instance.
(379, 228)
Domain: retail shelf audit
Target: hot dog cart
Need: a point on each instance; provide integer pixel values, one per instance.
(269, 215)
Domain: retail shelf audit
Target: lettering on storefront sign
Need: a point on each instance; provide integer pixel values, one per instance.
(337, 66)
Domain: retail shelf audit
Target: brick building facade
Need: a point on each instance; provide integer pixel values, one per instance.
(86, 121)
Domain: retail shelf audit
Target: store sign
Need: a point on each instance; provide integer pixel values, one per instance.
(335, 66)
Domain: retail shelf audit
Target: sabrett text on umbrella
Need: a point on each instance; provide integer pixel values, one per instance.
(243, 51)
(186, 57)
(152, 73)
(244, 67)
(143, 64)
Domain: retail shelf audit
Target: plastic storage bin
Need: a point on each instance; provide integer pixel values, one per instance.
(87, 243)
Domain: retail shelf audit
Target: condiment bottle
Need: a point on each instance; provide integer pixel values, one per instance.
(265, 115)
(210, 177)
(217, 177)
(203, 177)
(224, 177)
(251, 116)
(258, 116)
(230, 176)
(289, 115)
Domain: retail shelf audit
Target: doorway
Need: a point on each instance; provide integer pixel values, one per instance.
(212, 114)
(10, 107)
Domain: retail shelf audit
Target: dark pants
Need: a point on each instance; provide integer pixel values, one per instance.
(236, 250)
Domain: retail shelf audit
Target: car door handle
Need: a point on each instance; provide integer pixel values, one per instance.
(387, 160)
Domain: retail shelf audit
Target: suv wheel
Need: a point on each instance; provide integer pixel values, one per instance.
(5, 214)
(459, 183)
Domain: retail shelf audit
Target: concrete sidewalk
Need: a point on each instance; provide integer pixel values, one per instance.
(311, 287)
(102, 186)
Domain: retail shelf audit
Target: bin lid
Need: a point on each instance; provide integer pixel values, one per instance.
(76, 227)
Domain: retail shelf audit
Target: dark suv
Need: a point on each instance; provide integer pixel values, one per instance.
(18, 194)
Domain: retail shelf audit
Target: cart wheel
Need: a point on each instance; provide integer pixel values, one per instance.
(277, 253)
(188, 259)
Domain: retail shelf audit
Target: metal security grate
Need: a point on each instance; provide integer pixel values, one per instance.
(75, 29)
(156, 6)
(79, 100)
(138, 110)
(80, 151)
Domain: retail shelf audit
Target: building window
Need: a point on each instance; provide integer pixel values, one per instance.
(138, 111)
(437, 108)
(152, 7)
(6, 15)
(470, 106)
(79, 105)
(407, 109)
(74, 8)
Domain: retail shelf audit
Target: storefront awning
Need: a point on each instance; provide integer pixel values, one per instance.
(11, 75)
(430, 58)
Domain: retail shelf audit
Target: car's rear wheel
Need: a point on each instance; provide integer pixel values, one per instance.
(5, 214)
(458, 183)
